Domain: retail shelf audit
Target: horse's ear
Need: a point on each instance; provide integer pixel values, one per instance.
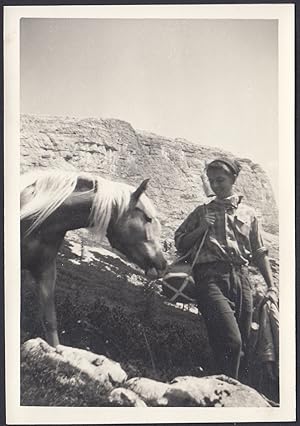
(142, 188)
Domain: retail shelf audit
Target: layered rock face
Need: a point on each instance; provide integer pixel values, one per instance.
(113, 149)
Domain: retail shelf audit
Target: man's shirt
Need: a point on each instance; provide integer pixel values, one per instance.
(234, 237)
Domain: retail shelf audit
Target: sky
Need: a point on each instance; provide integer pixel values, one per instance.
(213, 82)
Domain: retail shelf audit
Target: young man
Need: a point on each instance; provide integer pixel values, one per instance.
(221, 270)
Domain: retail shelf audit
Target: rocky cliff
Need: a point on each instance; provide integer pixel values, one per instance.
(114, 149)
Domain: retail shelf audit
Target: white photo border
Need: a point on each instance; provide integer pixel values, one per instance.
(17, 414)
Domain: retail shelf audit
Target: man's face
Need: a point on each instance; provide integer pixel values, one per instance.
(221, 182)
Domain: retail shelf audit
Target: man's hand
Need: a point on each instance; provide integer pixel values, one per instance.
(272, 294)
(208, 220)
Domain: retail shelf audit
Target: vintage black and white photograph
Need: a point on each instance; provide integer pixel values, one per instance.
(151, 264)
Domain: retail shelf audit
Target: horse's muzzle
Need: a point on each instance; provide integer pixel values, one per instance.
(153, 273)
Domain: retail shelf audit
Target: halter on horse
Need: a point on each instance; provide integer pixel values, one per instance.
(54, 202)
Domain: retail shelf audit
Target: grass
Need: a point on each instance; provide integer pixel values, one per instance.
(100, 310)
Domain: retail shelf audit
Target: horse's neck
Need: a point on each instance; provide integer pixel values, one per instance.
(82, 210)
(73, 214)
(78, 208)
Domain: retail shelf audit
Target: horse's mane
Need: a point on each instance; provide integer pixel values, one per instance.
(51, 188)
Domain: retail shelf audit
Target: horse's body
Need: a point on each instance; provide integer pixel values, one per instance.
(53, 203)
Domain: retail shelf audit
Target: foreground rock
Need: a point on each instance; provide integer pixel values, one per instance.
(125, 398)
(94, 367)
(151, 391)
(213, 391)
(84, 373)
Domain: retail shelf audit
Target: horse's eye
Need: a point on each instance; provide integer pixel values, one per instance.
(148, 219)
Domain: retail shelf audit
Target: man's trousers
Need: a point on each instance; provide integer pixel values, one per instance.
(225, 300)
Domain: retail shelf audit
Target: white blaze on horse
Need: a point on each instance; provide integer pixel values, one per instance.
(54, 202)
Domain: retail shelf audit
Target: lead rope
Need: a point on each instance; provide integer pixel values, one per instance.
(199, 248)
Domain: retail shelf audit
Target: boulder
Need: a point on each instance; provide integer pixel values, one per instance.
(149, 390)
(211, 391)
(125, 398)
(94, 367)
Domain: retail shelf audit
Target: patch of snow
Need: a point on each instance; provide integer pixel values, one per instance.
(184, 307)
(75, 248)
(136, 280)
(76, 262)
(108, 253)
(87, 256)
(104, 252)
(86, 253)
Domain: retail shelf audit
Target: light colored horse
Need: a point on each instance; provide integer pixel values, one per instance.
(54, 202)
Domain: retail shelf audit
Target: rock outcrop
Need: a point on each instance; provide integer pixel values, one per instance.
(94, 367)
(114, 149)
(78, 369)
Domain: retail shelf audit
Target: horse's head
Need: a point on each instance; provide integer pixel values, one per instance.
(136, 234)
